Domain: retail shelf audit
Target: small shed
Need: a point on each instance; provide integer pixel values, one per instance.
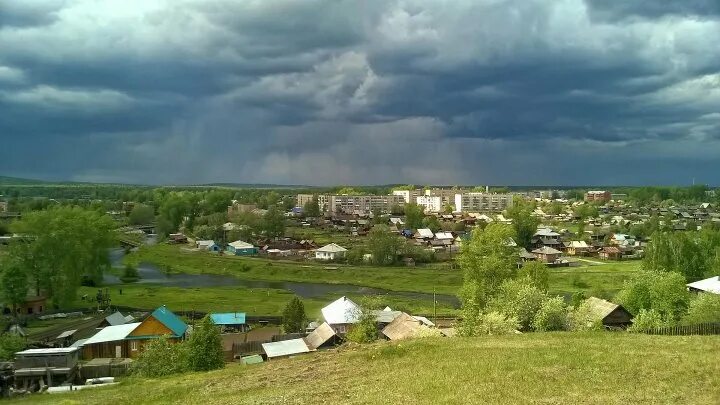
(611, 315)
(36, 367)
(323, 335)
(403, 326)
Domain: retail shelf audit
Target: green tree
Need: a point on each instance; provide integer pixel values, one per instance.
(663, 292)
(273, 222)
(486, 261)
(67, 245)
(414, 215)
(141, 215)
(294, 316)
(648, 319)
(14, 285)
(365, 330)
(523, 222)
(383, 245)
(432, 223)
(205, 351)
(537, 273)
(312, 208)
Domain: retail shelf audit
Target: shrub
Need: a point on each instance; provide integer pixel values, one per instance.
(518, 299)
(647, 319)
(581, 318)
(537, 273)
(365, 330)
(704, 308)
(205, 351)
(495, 323)
(551, 316)
(9, 345)
(161, 357)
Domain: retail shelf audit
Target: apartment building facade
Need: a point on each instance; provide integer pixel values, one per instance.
(349, 204)
(482, 202)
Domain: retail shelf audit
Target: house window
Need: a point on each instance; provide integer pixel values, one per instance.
(133, 345)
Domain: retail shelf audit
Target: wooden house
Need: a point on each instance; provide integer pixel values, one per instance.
(162, 322)
(610, 253)
(609, 314)
(547, 254)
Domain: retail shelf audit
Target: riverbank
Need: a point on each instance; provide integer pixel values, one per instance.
(604, 280)
(548, 368)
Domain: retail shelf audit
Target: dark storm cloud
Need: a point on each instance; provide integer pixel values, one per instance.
(323, 91)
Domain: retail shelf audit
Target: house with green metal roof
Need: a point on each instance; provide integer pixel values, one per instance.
(162, 322)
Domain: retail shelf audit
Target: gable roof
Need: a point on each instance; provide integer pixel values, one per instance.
(332, 248)
(170, 320)
(112, 333)
(116, 318)
(320, 335)
(711, 285)
(342, 310)
(425, 233)
(444, 235)
(229, 318)
(238, 244)
(402, 327)
(579, 244)
(600, 308)
(546, 250)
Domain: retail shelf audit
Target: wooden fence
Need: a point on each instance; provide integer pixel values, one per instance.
(687, 330)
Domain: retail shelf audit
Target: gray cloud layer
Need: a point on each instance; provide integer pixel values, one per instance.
(333, 91)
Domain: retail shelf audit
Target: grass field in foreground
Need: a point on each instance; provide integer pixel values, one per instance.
(253, 301)
(549, 368)
(592, 279)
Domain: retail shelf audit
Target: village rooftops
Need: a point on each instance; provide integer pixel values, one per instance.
(341, 311)
(238, 244)
(45, 352)
(168, 319)
(546, 232)
(425, 233)
(285, 348)
(444, 236)
(710, 285)
(546, 250)
(332, 248)
(112, 333)
(116, 318)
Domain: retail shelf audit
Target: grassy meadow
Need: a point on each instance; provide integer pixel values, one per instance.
(546, 368)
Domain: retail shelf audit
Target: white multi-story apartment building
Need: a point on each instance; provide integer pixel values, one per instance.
(478, 202)
(303, 199)
(430, 203)
(363, 203)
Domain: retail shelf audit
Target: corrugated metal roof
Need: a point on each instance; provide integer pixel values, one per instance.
(403, 327)
(711, 285)
(546, 250)
(112, 333)
(320, 335)
(116, 318)
(170, 320)
(238, 244)
(342, 310)
(53, 350)
(67, 333)
(386, 316)
(425, 233)
(285, 348)
(79, 343)
(332, 248)
(230, 318)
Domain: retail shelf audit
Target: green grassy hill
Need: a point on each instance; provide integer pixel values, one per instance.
(550, 368)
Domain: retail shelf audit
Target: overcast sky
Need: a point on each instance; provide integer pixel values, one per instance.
(317, 92)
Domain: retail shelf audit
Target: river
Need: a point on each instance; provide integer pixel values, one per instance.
(151, 274)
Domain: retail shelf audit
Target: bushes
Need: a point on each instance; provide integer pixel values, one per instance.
(161, 357)
(704, 308)
(130, 274)
(646, 320)
(551, 316)
(495, 323)
(660, 291)
(9, 345)
(520, 300)
(202, 352)
(294, 316)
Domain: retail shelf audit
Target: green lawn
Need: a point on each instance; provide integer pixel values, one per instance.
(547, 368)
(421, 279)
(605, 279)
(255, 301)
